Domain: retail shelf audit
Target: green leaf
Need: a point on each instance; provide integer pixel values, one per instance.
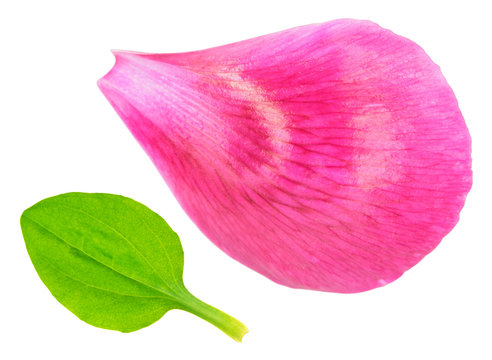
(113, 262)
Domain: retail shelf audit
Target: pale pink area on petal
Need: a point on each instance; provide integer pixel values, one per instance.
(331, 156)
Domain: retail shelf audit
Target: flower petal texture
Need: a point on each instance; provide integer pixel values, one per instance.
(331, 156)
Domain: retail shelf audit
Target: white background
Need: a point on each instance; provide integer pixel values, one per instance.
(59, 134)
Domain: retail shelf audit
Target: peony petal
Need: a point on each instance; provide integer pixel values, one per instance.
(331, 156)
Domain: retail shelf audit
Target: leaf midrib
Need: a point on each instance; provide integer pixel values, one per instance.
(93, 286)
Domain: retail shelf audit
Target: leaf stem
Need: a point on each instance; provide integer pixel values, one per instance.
(229, 325)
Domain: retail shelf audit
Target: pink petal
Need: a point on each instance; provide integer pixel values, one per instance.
(331, 156)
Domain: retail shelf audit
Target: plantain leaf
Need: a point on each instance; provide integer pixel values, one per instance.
(112, 262)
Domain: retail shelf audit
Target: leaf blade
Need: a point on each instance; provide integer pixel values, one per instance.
(70, 215)
(112, 262)
(77, 264)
